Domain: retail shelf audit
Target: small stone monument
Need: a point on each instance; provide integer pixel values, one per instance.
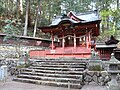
(3, 73)
(94, 54)
(95, 60)
(113, 70)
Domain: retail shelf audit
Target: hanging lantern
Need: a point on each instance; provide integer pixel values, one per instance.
(69, 37)
(84, 38)
(54, 39)
(96, 25)
(63, 40)
(80, 39)
(58, 40)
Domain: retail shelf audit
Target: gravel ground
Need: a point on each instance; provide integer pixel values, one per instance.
(12, 85)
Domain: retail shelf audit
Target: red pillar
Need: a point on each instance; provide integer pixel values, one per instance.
(89, 38)
(87, 41)
(74, 41)
(63, 41)
(52, 41)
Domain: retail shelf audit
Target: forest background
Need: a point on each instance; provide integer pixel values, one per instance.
(22, 17)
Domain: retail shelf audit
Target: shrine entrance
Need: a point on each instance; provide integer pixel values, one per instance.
(69, 41)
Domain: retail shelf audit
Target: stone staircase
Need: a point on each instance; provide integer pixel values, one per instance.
(55, 72)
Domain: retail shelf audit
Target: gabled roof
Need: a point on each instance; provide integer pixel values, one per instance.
(89, 16)
(76, 18)
(58, 19)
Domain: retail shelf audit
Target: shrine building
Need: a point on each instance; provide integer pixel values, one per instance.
(75, 35)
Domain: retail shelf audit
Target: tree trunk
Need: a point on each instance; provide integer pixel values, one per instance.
(116, 18)
(38, 9)
(117, 4)
(103, 28)
(26, 19)
(49, 7)
(17, 9)
(29, 15)
(7, 8)
(35, 26)
(21, 7)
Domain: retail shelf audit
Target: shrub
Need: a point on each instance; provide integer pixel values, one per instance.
(24, 65)
(95, 68)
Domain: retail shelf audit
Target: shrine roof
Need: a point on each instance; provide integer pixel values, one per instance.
(103, 45)
(76, 18)
(89, 17)
(82, 22)
(58, 20)
(112, 41)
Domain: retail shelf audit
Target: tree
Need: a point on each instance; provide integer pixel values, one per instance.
(26, 18)
(19, 8)
(12, 29)
(26, 11)
(37, 12)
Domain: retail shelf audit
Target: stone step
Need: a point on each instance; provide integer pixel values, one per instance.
(53, 71)
(62, 61)
(51, 83)
(58, 68)
(57, 79)
(52, 75)
(62, 66)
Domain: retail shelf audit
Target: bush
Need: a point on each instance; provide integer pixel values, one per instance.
(96, 68)
(24, 65)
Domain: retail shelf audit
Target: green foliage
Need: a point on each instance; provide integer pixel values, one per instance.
(96, 68)
(1, 9)
(12, 28)
(48, 8)
(24, 65)
(110, 22)
(104, 36)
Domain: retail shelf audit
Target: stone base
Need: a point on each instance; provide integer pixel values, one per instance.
(114, 88)
(113, 85)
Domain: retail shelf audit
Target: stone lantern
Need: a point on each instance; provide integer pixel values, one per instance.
(113, 70)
